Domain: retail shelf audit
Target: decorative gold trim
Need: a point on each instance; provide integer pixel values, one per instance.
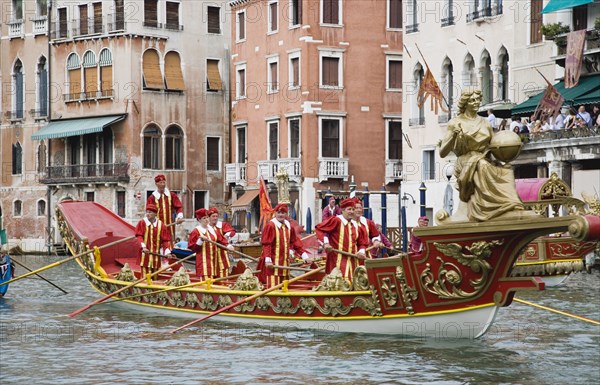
(409, 294)
(547, 269)
(334, 281)
(247, 282)
(360, 280)
(449, 273)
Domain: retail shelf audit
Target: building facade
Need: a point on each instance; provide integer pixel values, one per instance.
(317, 91)
(136, 88)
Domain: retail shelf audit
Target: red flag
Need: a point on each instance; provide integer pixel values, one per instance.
(429, 87)
(575, 42)
(266, 210)
(550, 103)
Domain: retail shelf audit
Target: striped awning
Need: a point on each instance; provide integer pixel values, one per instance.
(74, 127)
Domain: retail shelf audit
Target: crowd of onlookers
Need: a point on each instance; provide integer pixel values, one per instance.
(567, 119)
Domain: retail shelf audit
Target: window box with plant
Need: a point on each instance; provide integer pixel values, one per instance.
(551, 30)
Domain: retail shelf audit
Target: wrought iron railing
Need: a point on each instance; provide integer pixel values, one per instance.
(578, 132)
(86, 173)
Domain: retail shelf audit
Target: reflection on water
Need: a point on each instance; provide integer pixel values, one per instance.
(109, 345)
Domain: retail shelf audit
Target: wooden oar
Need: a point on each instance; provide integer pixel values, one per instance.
(67, 260)
(129, 286)
(308, 236)
(177, 287)
(232, 251)
(290, 268)
(247, 299)
(352, 255)
(558, 311)
(44, 279)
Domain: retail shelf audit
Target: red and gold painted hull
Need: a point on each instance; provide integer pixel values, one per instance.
(453, 288)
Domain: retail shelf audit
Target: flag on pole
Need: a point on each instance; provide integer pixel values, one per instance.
(266, 209)
(429, 87)
(550, 103)
(575, 43)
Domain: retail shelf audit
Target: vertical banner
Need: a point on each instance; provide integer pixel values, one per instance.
(575, 42)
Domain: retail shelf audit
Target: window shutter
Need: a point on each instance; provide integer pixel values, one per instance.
(212, 154)
(97, 17)
(75, 84)
(327, 11)
(214, 20)
(213, 75)
(395, 74)
(395, 13)
(335, 12)
(106, 78)
(173, 74)
(330, 71)
(152, 74)
(83, 19)
(273, 69)
(295, 72)
(274, 16)
(242, 85)
(172, 15)
(242, 25)
(150, 13)
(91, 81)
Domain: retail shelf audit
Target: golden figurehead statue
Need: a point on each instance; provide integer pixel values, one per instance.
(486, 182)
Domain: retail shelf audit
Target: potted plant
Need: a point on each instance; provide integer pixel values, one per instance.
(597, 24)
(551, 30)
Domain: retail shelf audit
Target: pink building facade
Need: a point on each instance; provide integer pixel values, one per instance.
(317, 90)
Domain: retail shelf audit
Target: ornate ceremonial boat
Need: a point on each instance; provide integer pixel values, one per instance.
(453, 288)
(554, 257)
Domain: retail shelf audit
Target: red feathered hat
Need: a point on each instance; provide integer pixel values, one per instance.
(201, 213)
(151, 207)
(283, 207)
(160, 177)
(348, 202)
(212, 210)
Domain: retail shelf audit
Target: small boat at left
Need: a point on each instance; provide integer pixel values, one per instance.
(7, 271)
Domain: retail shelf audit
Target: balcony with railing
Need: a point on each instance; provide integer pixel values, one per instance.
(591, 45)
(446, 21)
(236, 173)
(15, 116)
(40, 114)
(293, 167)
(412, 28)
(116, 22)
(88, 26)
(16, 28)
(333, 168)
(40, 25)
(86, 173)
(393, 170)
(416, 121)
(493, 10)
(268, 169)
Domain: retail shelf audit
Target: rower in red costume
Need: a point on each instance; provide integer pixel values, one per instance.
(280, 243)
(368, 226)
(222, 263)
(154, 237)
(168, 204)
(343, 233)
(206, 252)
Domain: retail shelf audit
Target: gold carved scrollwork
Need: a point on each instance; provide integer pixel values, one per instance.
(360, 279)
(449, 276)
(388, 291)
(247, 282)
(126, 274)
(180, 278)
(334, 281)
(409, 294)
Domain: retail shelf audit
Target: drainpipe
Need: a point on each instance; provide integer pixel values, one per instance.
(49, 116)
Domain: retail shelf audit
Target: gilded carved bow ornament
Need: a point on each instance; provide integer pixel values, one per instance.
(449, 275)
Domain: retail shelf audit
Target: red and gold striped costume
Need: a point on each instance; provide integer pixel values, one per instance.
(206, 253)
(168, 205)
(342, 235)
(222, 263)
(157, 239)
(372, 233)
(278, 238)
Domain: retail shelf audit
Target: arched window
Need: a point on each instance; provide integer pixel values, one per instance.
(41, 158)
(17, 159)
(487, 80)
(174, 148)
(418, 113)
(18, 95)
(469, 77)
(41, 208)
(106, 82)
(17, 208)
(448, 82)
(42, 87)
(74, 75)
(151, 148)
(503, 75)
(90, 75)
(173, 74)
(152, 76)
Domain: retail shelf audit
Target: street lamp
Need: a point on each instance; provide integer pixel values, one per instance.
(448, 194)
(403, 223)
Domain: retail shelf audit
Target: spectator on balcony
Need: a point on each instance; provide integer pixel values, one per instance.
(595, 115)
(331, 210)
(502, 125)
(559, 121)
(584, 115)
(516, 122)
(570, 120)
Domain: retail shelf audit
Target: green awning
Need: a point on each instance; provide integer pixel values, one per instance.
(74, 127)
(557, 5)
(584, 93)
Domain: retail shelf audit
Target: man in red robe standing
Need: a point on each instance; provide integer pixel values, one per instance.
(222, 263)
(280, 243)
(342, 233)
(206, 252)
(368, 226)
(331, 210)
(154, 237)
(168, 204)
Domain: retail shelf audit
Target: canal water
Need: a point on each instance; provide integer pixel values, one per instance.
(112, 345)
